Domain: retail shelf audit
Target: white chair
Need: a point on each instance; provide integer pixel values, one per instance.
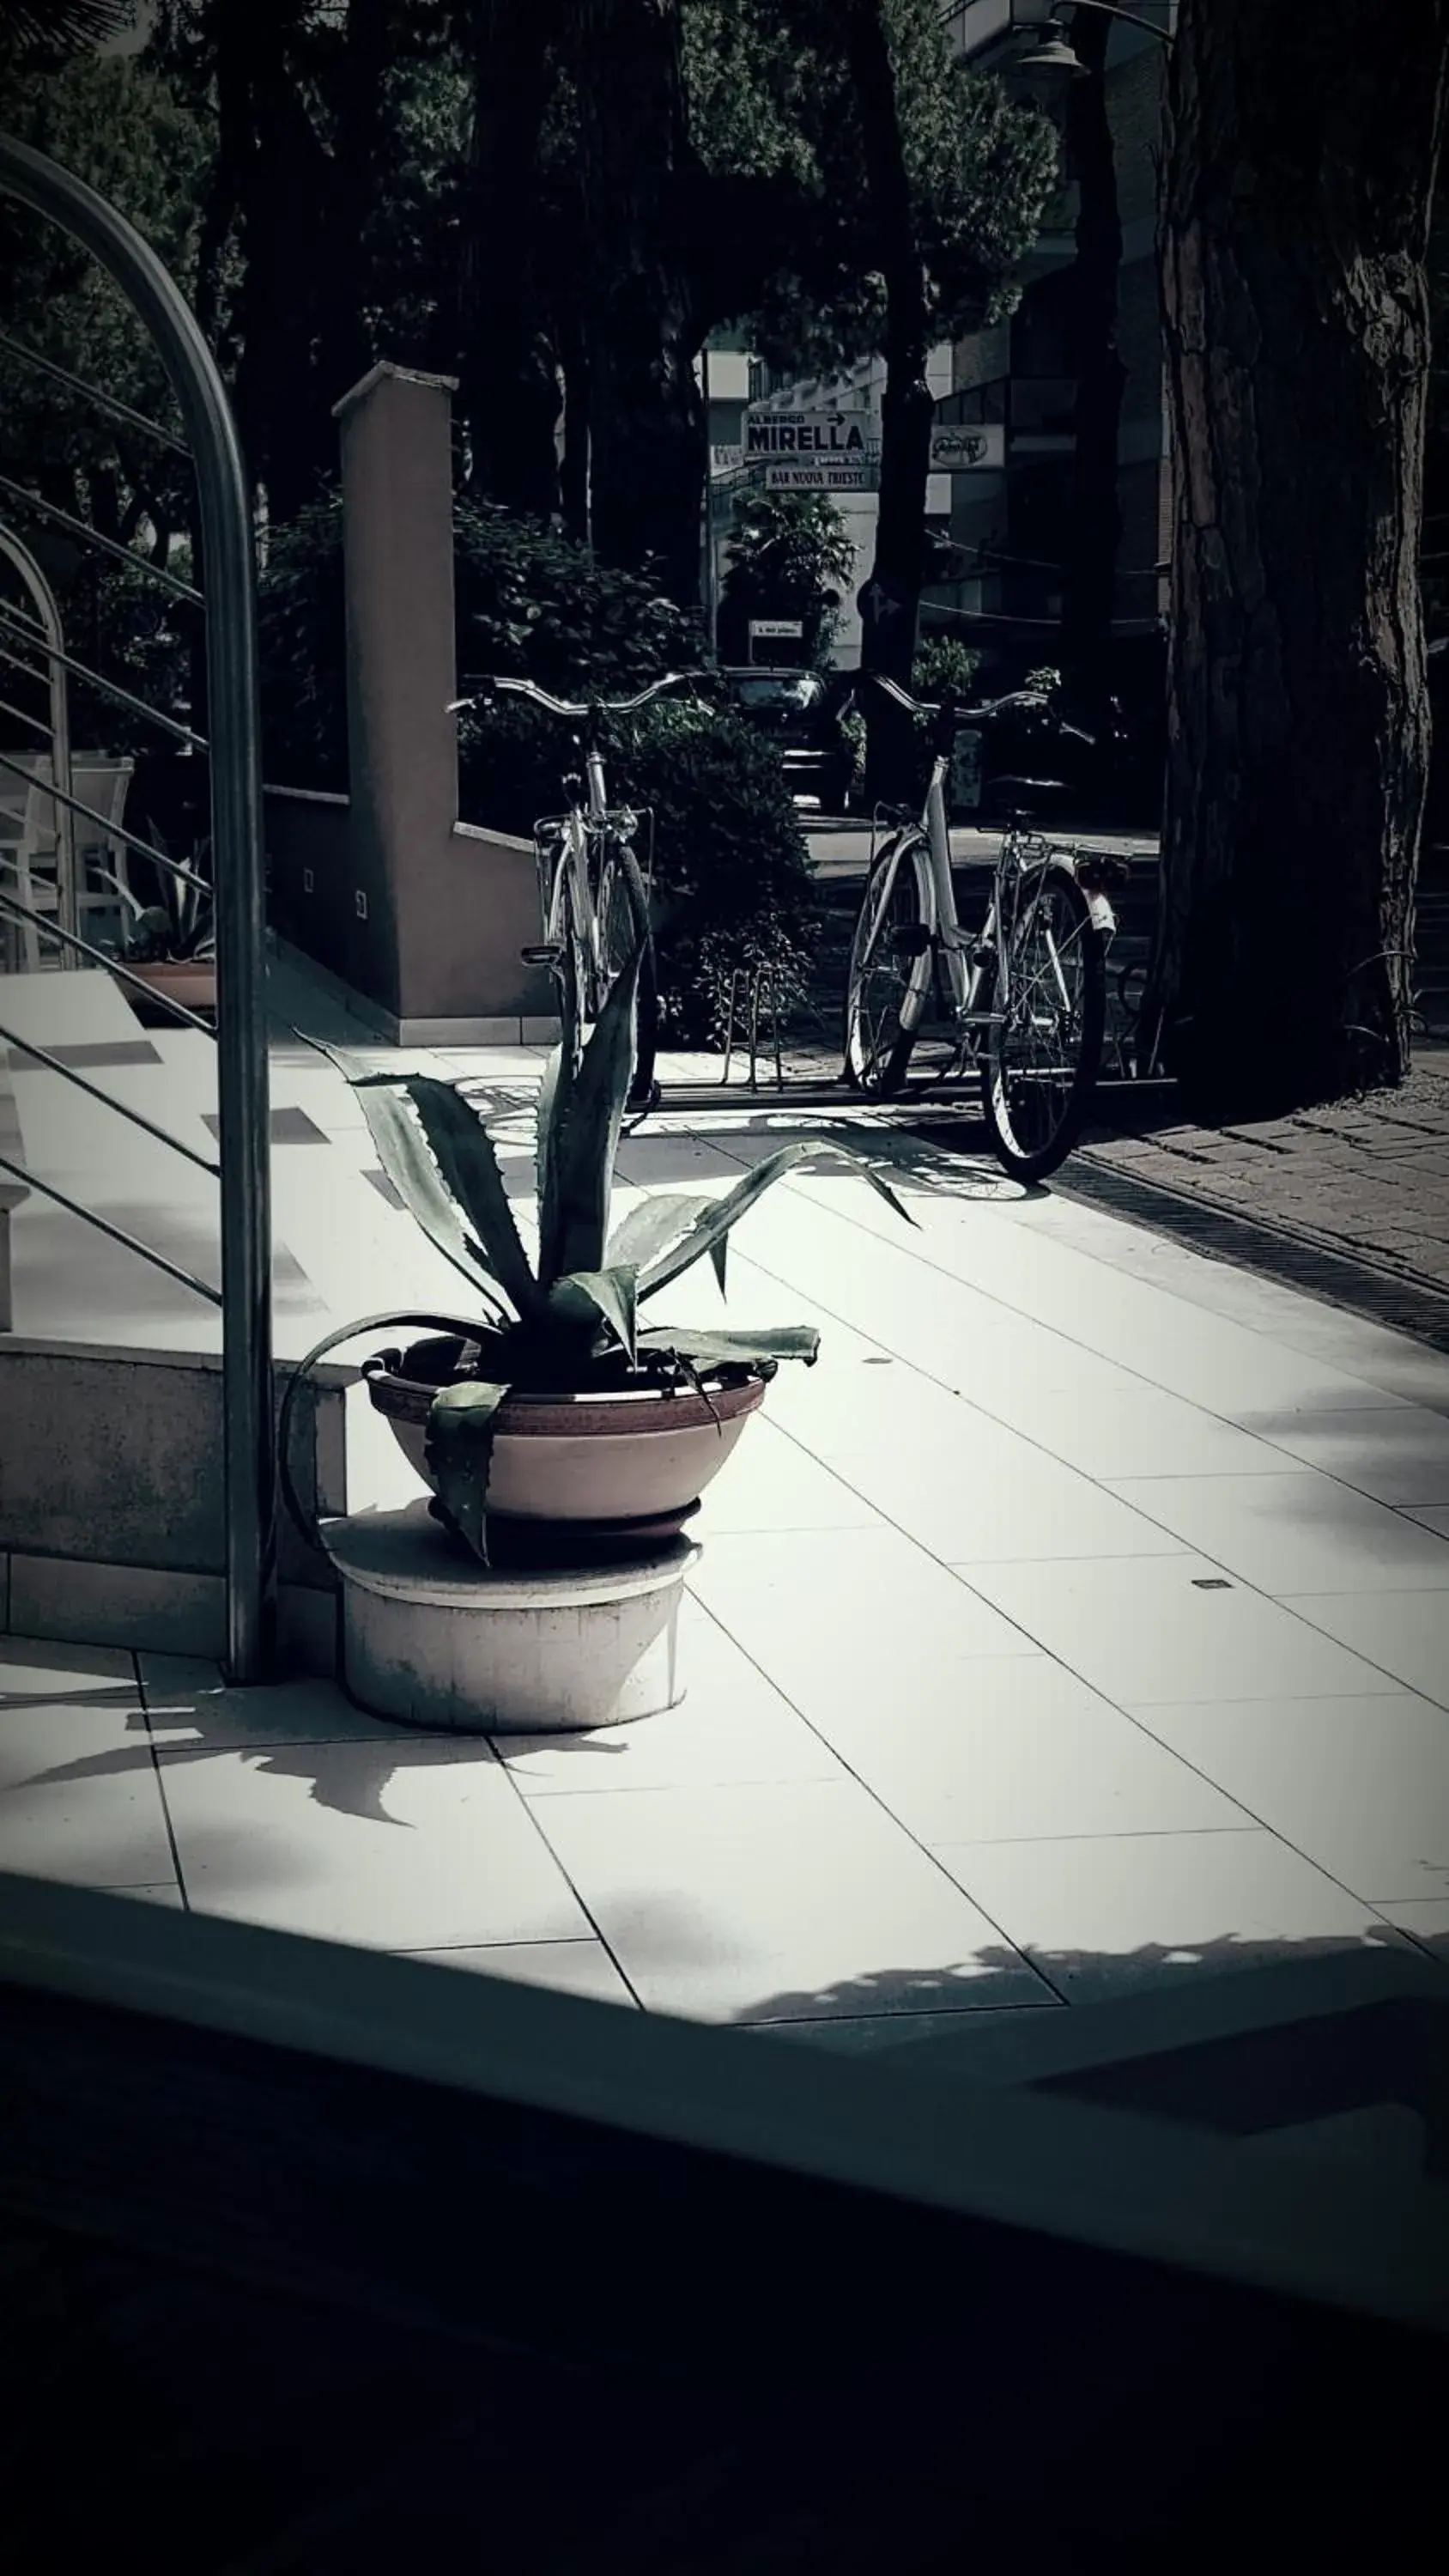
(27, 840)
(103, 785)
(30, 844)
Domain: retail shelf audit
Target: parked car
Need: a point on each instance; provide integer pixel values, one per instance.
(800, 711)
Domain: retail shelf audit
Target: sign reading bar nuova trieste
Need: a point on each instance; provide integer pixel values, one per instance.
(815, 451)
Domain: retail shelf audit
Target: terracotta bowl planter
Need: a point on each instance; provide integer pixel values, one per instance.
(193, 985)
(597, 1472)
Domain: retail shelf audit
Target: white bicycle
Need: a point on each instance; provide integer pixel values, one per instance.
(1025, 995)
(592, 890)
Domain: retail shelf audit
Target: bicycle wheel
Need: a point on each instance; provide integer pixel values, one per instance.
(623, 921)
(890, 970)
(1044, 1050)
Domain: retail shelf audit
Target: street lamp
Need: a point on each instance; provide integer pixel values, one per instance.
(1053, 58)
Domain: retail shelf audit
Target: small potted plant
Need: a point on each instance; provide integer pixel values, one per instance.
(552, 1423)
(170, 945)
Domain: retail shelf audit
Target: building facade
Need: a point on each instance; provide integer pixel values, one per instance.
(1012, 525)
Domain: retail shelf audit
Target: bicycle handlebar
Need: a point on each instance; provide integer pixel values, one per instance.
(578, 712)
(893, 689)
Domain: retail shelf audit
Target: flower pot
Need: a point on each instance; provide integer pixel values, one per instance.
(192, 983)
(601, 1472)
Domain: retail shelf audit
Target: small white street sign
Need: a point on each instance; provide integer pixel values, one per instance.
(776, 626)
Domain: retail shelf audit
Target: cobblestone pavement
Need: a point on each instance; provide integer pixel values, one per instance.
(1367, 1178)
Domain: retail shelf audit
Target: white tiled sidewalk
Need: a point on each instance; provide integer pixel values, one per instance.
(1081, 1619)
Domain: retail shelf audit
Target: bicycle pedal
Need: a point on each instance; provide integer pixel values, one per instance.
(548, 954)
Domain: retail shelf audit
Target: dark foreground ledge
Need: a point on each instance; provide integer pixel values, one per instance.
(315, 2259)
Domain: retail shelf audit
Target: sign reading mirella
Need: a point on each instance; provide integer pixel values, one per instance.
(815, 451)
(839, 451)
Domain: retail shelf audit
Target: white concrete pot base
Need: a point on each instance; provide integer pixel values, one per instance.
(618, 1470)
(434, 1639)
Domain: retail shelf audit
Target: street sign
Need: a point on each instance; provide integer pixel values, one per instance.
(815, 451)
(776, 626)
(974, 447)
(841, 437)
(801, 474)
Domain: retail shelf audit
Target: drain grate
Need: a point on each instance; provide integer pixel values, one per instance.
(1361, 1287)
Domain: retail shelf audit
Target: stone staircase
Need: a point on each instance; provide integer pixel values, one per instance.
(111, 1519)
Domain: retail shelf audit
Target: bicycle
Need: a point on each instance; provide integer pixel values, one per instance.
(594, 894)
(1026, 993)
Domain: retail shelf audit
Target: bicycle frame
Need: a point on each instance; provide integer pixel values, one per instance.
(977, 964)
(584, 821)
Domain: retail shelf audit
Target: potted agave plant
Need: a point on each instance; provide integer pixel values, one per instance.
(171, 945)
(552, 1422)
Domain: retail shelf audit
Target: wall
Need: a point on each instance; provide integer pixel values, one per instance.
(113, 1503)
(419, 915)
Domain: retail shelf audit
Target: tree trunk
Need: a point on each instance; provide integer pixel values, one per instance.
(1090, 584)
(574, 464)
(891, 599)
(345, 345)
(508, 382)
(1301, 154)
(646, 414)
(282, 181)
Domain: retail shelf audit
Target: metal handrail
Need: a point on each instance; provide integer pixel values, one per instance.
(19, 911)
(108, 545)
(117, 1233)
(112, 831)
(20, 716)
(229, 576)
(108, 402)
(71, 1073)
(97, 680)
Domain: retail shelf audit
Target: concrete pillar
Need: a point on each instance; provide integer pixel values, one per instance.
(442, 909)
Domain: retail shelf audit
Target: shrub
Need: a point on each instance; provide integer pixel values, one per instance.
(731, 881)
(729, 858)
(790, 556)
(944, 667)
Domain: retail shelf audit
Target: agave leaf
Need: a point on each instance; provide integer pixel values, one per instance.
(584, 1296)
(330, 1342)
(459, 1452)
(410, 1167)
(654, 1226)
(706, 1348)
(553, 1103)
(588, 1134)
(465, 1155)
(718, 1215)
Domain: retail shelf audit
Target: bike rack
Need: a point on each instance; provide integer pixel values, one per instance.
(226, 550)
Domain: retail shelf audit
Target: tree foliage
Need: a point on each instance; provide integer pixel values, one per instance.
(776, 121)
(38, 34)
(791, 555)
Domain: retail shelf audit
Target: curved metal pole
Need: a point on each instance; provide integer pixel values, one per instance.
(229, 581)
(47, 609)
(1109, 9)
